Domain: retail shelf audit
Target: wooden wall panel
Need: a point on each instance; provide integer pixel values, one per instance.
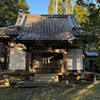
(17, 59)
(75, 59)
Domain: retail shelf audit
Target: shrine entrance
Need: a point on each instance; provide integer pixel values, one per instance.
(46, 62)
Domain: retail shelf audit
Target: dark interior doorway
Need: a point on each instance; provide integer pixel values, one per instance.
(46, 62)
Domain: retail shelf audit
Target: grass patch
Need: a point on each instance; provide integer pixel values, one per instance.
(81, 92)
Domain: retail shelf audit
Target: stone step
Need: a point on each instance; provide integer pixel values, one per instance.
(45, 81)
(46, 78)
(46, 74)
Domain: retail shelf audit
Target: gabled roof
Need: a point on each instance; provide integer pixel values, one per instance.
(43, 27)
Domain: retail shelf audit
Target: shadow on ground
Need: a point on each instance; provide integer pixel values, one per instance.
(83, 91)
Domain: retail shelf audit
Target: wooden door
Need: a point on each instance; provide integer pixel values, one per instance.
(54, 64)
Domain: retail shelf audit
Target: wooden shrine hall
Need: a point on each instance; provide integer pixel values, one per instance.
(42, 44)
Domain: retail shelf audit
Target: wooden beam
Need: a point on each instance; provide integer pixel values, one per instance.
(49, 50)
(4, 36)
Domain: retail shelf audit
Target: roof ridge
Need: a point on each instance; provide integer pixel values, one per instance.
(21, 21)
(50, 15)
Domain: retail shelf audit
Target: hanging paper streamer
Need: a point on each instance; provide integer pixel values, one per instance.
(43, 61)
(47, 60)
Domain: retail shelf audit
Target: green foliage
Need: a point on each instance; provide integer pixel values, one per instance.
(63, 7)
(9, 11)
(81, 14)
(50, 7)
(97, 61)
(90, 25)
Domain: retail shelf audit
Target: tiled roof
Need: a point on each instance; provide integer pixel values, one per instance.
(92, 53)
(43, 27)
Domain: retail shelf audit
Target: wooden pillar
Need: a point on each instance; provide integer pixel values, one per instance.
(83, 55)
(0, 50)
(5, 58)
(27, 64)
(64, 68)
(0, 56)
(84, 63)
(8, 59)
(31, 60)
